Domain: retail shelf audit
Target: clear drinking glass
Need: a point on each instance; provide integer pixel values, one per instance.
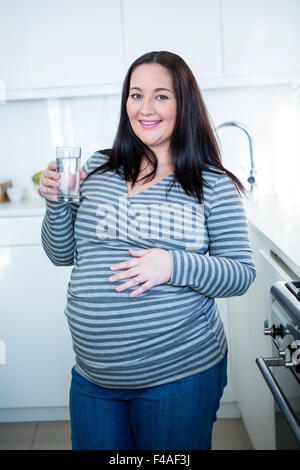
(68, 161)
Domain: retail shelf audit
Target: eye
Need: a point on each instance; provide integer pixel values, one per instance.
(162, 97)
(135, 96)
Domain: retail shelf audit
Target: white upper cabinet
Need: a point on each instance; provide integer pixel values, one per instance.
(191, 29)
(60, 44)
(56, 48)
(75, 43)
(261, 37)
(14, 60)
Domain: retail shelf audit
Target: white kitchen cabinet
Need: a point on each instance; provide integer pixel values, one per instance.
(61, 43)
(229, 395)
(254, 399)
(65, 48)
(14, 63)
(75, 43)
(34, 329)
(191, 29)
(261, 37)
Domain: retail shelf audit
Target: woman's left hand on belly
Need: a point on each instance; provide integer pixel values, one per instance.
(147, 267)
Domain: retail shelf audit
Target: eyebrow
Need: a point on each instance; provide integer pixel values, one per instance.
(156, 89)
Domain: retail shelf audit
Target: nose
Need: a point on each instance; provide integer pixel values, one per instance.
(147, 106)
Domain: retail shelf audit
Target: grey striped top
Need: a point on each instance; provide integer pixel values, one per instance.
(173, 330)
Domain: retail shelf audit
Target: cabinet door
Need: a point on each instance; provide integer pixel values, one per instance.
(241, 340)
(229, 391)
(261, 37)
(254, 398)
(191, 29)
(259, 409)
(261, 421)
(14, 63)
(39, 354)
(242, 308)
(73, 43)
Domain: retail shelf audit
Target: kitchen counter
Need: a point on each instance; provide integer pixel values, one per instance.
(35, 206)
(278, 221)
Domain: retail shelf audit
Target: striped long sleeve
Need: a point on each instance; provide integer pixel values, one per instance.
(58, 230)
(229, 269)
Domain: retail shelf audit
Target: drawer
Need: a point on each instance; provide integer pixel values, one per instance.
(20, 231)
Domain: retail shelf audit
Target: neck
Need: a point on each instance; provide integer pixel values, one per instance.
(163, 164)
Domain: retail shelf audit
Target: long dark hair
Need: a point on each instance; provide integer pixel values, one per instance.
(193, 146)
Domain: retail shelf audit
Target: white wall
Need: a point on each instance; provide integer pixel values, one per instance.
(272, 114)
(30, 130)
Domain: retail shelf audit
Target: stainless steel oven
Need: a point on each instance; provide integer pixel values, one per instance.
(282, 371)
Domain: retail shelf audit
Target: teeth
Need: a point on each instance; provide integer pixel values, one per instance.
(150, 123)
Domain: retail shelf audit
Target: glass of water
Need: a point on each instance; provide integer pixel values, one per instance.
(68, 161)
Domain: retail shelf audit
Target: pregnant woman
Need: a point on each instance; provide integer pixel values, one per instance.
(159, 232)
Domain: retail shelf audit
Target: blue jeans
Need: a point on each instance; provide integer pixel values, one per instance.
(177, 415)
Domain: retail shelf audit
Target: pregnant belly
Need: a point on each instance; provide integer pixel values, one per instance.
(91, 281)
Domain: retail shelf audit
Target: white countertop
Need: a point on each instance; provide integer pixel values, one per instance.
(28, 208)
(278, 221)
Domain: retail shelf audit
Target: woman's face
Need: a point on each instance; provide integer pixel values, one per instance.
(151, 106)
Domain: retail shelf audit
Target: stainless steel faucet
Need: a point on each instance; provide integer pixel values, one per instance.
(251, 179)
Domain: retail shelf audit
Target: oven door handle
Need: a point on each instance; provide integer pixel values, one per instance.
(264, 364)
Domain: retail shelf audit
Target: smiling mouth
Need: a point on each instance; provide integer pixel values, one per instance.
(149, 124)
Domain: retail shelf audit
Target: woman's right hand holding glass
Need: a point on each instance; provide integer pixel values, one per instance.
(49, 182)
